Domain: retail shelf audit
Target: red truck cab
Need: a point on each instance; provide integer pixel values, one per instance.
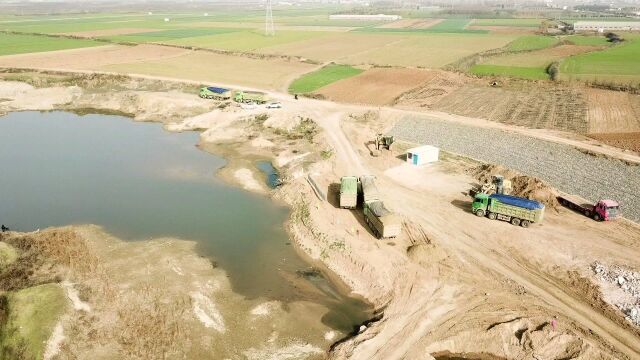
(606, 210)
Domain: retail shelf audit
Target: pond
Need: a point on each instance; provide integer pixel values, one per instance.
(140, 182)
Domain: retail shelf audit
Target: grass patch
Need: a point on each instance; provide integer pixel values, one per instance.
(22, 44)
(323, 77)
(532, 42)
(621, 59)
(32, 315)
(532, 73)
(588, 40)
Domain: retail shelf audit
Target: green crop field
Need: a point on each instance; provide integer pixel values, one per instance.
(533, 73)
(21, 44)
(247, 40)
(532, 42)
(588, 40)
(169, 35)
(323, 77)
(508, 22)
(619, 61)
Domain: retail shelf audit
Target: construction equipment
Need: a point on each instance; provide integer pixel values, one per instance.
(348, 192)
(216, 93)
(382, 222)
(251, 96)
(498, 185)
(603, 210)
(516, 210)
(384, 141)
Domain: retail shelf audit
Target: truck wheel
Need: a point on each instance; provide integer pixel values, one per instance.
(479, 213)
(515, 221)
(596, 217)
(492, 216)
(524, 223)
(587, 213)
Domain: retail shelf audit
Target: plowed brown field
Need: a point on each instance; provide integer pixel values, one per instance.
(613, 111)
(378, 86)
(628, 141)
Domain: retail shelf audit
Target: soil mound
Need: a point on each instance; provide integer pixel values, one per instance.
(524, 186)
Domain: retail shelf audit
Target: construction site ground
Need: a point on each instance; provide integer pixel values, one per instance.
(452, 284)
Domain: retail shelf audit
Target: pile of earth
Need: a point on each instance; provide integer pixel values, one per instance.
(529, 187)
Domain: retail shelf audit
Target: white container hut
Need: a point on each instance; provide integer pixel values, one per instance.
(423, 155)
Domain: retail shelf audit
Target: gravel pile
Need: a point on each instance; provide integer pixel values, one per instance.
(562, 166)
(629, 282)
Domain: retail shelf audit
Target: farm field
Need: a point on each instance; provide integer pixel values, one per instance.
(411, 24)
(247, 40)
(628, 141)
(618, 63)
(508, 22)
(20, 44)
(530, 64)
(537, 107)
(613, 111)
(169, 35)
(532, 42)
(428, 50)
(322, 77)
(377, 86)
(92, 58)
(520, 72)
(540, 58)
(269, 74)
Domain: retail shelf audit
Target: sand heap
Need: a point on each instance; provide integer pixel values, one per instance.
(529, 187)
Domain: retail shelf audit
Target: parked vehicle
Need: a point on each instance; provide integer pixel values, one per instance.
(251, 96)
(348, 192)
(216, 93)
(274, 105)
(516, 210)
(382, 222)
(603, 210)
(369, 189)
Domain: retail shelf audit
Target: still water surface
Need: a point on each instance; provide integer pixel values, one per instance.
(139, 182)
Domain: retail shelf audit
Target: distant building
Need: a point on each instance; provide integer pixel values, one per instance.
(602, 26)
(379, 17)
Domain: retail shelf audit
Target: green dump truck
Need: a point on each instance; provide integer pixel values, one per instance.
(516, 210)
(382, 222)
(348, 192)
(216, 93)
(251, 97)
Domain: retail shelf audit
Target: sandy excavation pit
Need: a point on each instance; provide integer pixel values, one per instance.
(446, 291)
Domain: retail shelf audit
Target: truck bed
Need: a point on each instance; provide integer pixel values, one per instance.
(575, 202)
